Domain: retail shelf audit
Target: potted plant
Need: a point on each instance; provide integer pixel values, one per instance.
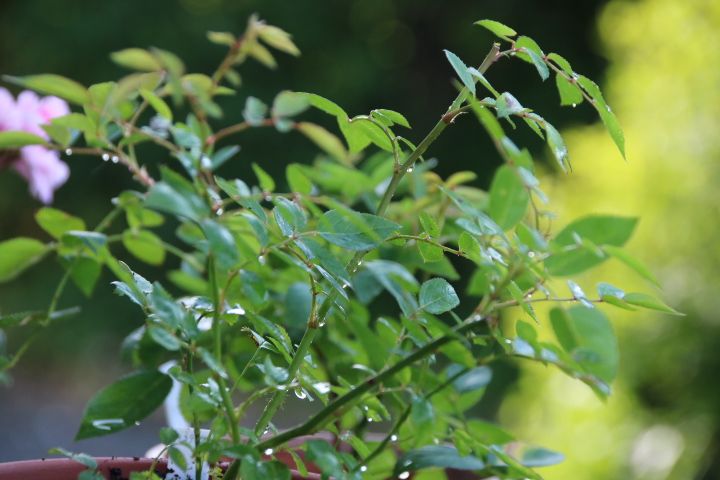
(341, 288)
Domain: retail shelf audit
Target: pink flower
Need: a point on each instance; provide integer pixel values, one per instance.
(42, 168)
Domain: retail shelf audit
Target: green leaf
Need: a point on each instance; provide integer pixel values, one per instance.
(509, 198)
(507, 105)
(438, 296)
(631, 262)
(422, 414)
(429, 224)
(56, 222)
(535, 457)
(473, 380)
(222, 243)
(289, 104)
(85, 273)
(462, 71)
(278, 39)
(81, 458)
(648, 301)
(557, 146)
(11, 140)
(488, 120)
(177, 196)
(325, 105)
(606, 115)
(587, 335)
(327, 142)
(221, 38)
(164, 338)
(602, 230)
(145, 246)
(157, 103)
(613, 127)
(436, 456)
(499, 29)
(223, 155)
(393, 116)
(322, 454)
(561, 62)
(267, 184)
(254, 111)
(430, 252)
(120, 405)
(51, 84)
(17, 254)
(136, 59)
(168, 436)
(355, 231)
(570, 93)
(397, 281)
(252, 469)
(540, 65)
(297, 180)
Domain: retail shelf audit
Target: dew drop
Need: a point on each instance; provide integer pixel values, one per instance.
(393, 438)
(107, 424)
(345, 285)
(262, 259)
(410, 169)
(105, 157)
(137, 423)
(219, 211)
(322, 387)
(68, 151)
(237, 310)
(404, 475)
(531, 254)
(363, 468)
(268, 451)
(300, 393)
(370, 420)
(574, 105)
(115, 159)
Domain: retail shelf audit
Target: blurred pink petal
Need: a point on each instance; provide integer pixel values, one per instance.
(28, 103)
(43, 170)
(10, 116)
(52, 107)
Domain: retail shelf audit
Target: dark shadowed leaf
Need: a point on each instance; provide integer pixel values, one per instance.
(120, 405)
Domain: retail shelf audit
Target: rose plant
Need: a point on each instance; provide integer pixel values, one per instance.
(340, 288)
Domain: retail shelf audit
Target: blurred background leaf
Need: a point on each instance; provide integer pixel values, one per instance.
(656, 60)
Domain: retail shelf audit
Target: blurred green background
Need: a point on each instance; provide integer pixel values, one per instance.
(656, 59)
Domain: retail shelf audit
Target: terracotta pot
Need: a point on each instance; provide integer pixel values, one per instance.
(119, 468)
(113, 468)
